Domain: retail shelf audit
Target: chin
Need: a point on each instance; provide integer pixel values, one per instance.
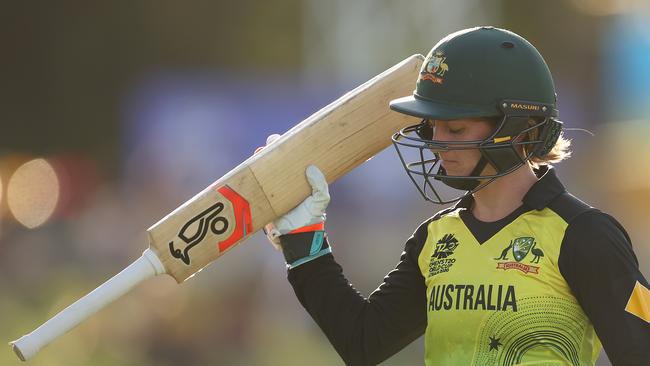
(455, 172)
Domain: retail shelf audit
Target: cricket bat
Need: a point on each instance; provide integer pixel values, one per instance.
(337, 139)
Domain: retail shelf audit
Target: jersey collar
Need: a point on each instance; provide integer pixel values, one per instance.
(545, 190)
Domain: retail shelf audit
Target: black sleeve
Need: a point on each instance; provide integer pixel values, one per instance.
(366, 331)
(598, 263)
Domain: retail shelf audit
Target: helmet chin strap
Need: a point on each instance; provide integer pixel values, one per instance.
(464, 184)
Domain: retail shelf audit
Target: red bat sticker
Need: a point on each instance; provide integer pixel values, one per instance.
(242, 214)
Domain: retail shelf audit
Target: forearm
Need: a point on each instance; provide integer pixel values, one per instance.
(332, 302)
(363, 331)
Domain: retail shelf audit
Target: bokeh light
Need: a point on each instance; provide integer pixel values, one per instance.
(78, 179)
(33, 192)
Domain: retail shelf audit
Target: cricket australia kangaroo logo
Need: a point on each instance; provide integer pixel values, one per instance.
(520, 248)
(213, 222)
(440, 261)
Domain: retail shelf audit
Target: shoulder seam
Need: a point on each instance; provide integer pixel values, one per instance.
(577, 208)
(420, 234)
(443, 213)
(581, 213)
(435, 217)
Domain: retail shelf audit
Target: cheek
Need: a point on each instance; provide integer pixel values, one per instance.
(466, 161)
(483, 130)
(469, 156)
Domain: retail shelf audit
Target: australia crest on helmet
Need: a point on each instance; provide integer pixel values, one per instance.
(435, 68)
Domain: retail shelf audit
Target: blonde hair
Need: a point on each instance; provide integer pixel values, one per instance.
(560, 151)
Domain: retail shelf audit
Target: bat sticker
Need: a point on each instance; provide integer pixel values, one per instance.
(198, 227)
(207, 219)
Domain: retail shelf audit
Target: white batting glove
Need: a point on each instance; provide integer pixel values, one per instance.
(309, 213)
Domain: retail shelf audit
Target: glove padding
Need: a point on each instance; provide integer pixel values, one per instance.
(310, 212)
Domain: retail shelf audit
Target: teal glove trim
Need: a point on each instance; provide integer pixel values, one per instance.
(310, 258)
(303, 247)
(317, 242)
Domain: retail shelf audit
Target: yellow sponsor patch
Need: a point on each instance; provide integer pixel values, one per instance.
(639, 302)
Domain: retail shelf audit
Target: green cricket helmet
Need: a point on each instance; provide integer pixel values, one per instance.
(486, 73)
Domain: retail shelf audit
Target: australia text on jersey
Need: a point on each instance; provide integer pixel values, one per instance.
(471, 297)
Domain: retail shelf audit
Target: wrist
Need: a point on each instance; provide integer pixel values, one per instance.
(304, 246)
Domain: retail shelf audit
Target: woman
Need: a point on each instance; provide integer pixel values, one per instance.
(518, 271)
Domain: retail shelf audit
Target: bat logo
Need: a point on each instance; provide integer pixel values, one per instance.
(206, 220)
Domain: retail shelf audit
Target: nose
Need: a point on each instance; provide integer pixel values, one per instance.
(441, 152)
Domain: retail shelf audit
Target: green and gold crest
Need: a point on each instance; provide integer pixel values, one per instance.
(521, 247)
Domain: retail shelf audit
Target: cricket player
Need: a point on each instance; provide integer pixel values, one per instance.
(518, 271)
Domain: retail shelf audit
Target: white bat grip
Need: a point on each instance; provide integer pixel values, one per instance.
(145, 267)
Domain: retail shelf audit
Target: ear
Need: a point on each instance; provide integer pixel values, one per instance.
(549, 134)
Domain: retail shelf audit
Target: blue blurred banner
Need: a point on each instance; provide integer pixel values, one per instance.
(625, 73)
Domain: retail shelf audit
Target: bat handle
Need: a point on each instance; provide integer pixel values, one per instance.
(145, 267)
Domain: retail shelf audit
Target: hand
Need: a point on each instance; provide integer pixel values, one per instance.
(310, 214)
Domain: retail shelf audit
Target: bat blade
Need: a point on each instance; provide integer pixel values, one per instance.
(337, 139)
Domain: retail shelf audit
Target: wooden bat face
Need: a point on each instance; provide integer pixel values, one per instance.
(337, 139)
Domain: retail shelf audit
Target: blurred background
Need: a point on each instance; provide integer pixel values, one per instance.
(114, 113)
